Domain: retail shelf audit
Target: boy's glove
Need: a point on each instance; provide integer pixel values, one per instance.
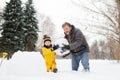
(55, 47)
(65, 47)
(66, 55)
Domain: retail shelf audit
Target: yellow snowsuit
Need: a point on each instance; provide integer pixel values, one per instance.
(49, 57)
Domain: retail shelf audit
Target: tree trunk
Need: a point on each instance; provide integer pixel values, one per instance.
(118, 6)
(29, 47)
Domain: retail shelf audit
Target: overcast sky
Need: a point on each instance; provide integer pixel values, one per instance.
(60, 11)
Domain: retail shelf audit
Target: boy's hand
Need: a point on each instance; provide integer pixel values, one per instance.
(55, 47)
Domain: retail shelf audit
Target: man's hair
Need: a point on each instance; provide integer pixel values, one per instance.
(66, 24)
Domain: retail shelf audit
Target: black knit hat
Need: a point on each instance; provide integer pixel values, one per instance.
(46, 38)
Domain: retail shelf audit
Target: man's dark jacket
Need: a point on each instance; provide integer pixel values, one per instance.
(77, 41)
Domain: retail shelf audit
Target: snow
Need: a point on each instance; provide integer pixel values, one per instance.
(31, 66)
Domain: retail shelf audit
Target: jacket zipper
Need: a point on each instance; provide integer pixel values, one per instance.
(69, 40)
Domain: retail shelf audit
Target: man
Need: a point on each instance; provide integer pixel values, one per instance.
(78, 46)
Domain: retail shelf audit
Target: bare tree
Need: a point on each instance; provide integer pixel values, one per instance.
(99, 50)
(46, 26)
(94, 50)
(110, 28)
(118, 30)
(104, 50)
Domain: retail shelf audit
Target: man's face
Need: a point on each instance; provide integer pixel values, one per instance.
(67, 29)
(47, 43)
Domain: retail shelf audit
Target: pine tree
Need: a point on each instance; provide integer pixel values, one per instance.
(12, 38)
(31, 26)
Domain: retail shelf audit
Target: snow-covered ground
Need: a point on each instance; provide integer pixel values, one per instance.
(30, 66)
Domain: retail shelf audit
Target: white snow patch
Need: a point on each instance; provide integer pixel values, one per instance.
(31, 66)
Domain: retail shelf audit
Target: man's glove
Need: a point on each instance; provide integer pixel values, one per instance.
(55, 47)
(65, 47)
(66, 55)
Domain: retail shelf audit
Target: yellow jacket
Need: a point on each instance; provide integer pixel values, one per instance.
(48, 54)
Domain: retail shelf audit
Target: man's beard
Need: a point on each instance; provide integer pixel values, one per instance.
(67, 33)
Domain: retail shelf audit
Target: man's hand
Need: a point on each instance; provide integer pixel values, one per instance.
(55, 47)
(66, 55)
(65, 47)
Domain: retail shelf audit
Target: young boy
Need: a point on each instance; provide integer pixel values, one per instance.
(49, 54)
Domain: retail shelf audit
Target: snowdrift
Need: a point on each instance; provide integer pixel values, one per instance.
(25, 63)
(31, 66)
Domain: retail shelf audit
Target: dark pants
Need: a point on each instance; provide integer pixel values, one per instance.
(76, 61)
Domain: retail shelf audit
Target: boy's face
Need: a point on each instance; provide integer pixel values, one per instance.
(47, 43)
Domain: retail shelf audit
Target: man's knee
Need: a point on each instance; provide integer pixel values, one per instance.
(85, 64)
(85, 60)
(75, 63)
